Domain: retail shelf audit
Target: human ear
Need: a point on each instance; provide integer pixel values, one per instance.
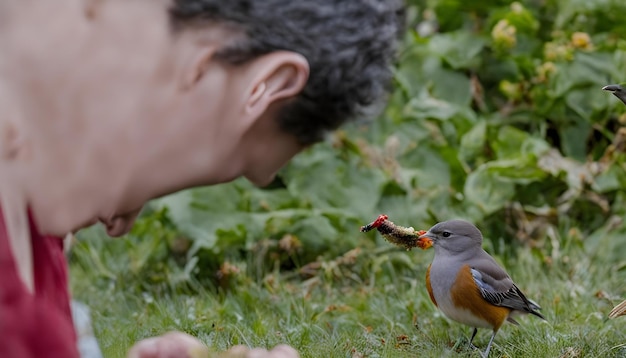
(276, 76)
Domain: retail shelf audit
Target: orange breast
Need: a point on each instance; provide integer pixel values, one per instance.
(429, 287)
(466, 294)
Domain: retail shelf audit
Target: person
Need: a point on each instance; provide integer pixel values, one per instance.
(106, 104)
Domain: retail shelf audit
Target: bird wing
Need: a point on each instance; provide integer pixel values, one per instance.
(497, 288)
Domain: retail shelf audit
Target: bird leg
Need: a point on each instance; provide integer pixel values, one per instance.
(472, 339)
(486, 354)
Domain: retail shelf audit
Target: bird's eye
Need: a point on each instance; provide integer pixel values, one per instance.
(446, 234)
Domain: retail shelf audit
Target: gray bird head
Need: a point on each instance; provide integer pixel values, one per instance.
(455, 236)
(618, 91)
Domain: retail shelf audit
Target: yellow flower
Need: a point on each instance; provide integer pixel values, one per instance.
(581, 40)
(544, 71)
(512, 91)
(553, 51)
(503, 34)
(517, 8)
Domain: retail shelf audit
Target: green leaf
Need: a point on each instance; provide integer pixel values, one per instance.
(450, 86)
(427, 107)
(613, 178)
(574, 139)
(458, 49)
(323, 181)
(488, 191)
(473, 143)
(317, 233)
(409, 75)
(586, 70)
(585, 102)
(519, 170)
(512, 143)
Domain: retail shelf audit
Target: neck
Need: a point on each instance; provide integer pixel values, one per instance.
(12, 194)
(44, 165)
(15, 216)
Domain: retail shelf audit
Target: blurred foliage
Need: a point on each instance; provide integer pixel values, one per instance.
(497, 117)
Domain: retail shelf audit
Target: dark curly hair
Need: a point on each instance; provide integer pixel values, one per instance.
(349, 44)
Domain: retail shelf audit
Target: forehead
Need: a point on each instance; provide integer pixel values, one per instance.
(452, 225)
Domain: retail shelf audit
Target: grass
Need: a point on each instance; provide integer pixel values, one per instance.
(372, 304)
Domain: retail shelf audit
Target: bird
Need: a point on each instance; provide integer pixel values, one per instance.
(618, 91)
(466, 283)
(619, 310)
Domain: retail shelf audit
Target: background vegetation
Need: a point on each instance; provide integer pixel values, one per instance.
(497, 117)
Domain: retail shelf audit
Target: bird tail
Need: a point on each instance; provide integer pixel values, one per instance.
(619, 310)
(533, 308)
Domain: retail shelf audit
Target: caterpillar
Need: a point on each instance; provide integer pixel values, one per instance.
(406, 237)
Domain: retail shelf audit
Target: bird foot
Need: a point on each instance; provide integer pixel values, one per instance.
(482, 354)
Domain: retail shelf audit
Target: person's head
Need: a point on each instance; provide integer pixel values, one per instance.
(347, 44)
(120, 101)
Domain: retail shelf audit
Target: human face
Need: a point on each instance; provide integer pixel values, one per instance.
(117, 110)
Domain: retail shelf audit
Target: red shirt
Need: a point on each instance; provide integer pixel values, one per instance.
(39, 324)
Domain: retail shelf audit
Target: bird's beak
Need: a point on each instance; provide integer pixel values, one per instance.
(617, 91)
(425, 241)
(612, 88)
